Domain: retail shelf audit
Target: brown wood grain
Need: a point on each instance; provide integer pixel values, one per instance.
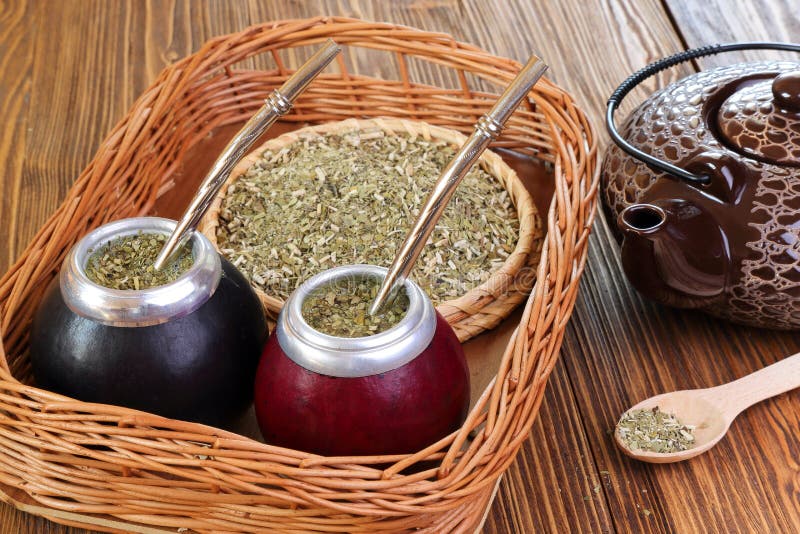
(703, 23)
(70, 69)
(16, 56)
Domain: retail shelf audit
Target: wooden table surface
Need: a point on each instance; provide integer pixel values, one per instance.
(70, 69)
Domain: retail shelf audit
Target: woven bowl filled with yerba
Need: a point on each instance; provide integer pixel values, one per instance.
(347, 193)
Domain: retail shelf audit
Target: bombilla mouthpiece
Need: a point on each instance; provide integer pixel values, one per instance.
(277, 104)
(487, 129)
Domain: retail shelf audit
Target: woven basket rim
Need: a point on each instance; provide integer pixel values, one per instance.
(500, 282)
(101, 460)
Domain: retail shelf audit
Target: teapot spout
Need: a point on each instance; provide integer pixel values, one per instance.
(642, 220)
(674, 253)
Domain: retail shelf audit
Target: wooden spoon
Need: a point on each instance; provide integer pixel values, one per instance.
(712, 410)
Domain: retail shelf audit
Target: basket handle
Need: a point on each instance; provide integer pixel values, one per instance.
(654, 68)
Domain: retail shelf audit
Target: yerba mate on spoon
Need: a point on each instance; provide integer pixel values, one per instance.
(690, 422)
(385, 391)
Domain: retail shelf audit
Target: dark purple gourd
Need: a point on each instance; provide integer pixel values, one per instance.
(197, 366)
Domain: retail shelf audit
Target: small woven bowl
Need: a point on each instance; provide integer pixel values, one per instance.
(480, 308)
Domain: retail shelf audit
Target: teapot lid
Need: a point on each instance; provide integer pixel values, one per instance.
(762, 120)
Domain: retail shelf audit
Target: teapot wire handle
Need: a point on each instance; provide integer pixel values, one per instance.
(654, 68)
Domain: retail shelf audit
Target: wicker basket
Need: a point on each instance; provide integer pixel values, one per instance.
(112, 468)
(482, 307)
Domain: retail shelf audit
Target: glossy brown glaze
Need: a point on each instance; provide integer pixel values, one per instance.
(786, 91)
(756, 124)
(731, 247)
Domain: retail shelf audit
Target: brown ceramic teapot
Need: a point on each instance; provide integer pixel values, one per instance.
(704, 185)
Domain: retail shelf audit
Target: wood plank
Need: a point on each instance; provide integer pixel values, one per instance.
(719, 21)
(554, 482)
(17, 31)
(79, 89)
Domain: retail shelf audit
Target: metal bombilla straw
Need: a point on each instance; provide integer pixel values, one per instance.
(487, 129)
(277, 105)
